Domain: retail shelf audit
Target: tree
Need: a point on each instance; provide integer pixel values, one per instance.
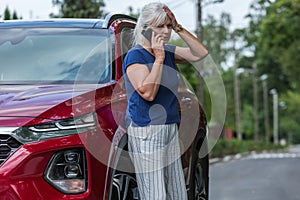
(132, 13)
(279, 38)
(228, 82)
(289, 119)
(216, 35)
(15, 16)
(6, 13)
(79, 8)
(247, 123)
(273, 37)
(255, 39)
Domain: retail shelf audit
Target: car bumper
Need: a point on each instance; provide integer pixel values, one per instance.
(22, 174)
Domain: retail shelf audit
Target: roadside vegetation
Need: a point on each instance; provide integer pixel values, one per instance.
(230, 147)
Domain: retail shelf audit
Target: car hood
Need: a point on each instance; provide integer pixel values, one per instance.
(27, 102)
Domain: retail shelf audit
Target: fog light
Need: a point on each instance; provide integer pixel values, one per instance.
(66, 171)
(72, 171)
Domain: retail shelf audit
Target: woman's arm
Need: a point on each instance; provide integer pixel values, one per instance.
(195, 50)
(146, 82)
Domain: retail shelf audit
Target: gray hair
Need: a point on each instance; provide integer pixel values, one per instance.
(152, 14)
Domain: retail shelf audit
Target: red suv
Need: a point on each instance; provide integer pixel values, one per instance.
(62, 105)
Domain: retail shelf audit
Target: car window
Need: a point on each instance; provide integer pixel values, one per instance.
(126, 40)
(54, 56)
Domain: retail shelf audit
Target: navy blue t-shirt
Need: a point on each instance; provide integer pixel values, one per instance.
(163, 109)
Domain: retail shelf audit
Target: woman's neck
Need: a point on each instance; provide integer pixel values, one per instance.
(146, 45)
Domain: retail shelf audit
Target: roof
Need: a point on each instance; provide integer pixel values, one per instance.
(66, 22)
(54, 22)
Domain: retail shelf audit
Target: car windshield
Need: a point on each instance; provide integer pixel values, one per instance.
(54, 56)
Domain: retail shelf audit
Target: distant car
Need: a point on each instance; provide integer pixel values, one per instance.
(62, 106)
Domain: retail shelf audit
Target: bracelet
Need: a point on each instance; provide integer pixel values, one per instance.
(178, 28)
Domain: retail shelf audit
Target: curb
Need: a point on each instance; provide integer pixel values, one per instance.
(254, 154)
(228, 158)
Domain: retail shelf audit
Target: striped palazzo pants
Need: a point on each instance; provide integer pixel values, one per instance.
(155, 152)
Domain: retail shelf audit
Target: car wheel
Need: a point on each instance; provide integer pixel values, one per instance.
(200, 192)
(124, 187)
(198, 185)
(123, 183)
(198, 188)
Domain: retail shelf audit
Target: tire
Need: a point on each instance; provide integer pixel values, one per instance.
(123, 184)
(124, 187)
(199, 181)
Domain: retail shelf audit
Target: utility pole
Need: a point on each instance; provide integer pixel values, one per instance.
(275, 115)
(255, 103)
(199, 33)
(266, 107)
(200, 87)
(237, 103)
(199, 20)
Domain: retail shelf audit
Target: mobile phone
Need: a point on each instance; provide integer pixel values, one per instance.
(147, 33)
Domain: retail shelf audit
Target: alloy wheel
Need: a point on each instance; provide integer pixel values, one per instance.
(124, 187)
(200, 193)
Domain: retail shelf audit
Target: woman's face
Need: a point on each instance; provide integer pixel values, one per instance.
(164, 29)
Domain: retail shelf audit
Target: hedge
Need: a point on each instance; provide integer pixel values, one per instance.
(230, 147)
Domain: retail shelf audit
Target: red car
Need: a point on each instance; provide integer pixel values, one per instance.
(62, 106)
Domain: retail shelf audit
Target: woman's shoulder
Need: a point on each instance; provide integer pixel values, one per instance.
(135, 55)
(170, 48)
(137, 49)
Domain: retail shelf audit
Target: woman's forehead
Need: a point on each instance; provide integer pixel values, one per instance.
(164, 21)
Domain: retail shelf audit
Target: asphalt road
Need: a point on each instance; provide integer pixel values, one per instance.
(257, 177)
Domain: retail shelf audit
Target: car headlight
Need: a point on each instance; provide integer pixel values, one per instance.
(59, 128)
(67, 171)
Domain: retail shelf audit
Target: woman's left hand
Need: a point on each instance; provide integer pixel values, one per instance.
(172, 18)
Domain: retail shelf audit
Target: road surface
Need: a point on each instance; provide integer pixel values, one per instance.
(267, 176)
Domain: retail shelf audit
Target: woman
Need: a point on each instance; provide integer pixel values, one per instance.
(152, 116)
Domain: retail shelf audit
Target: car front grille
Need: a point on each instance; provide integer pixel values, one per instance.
(8, 145)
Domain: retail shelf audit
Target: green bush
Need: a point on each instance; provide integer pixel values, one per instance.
(229, 147)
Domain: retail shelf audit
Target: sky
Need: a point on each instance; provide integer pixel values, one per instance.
(184, 10)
